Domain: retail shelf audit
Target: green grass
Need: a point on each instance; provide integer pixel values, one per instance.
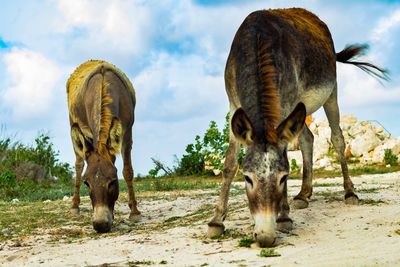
(52, 191)
(269, 252)
(368, 190)
(370, 201)
(316, 184)
(136, 263)
(330, 195)
(25, 218)
(245, 242)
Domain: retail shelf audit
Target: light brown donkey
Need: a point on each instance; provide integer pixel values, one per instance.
(101, 103)
(281, 67)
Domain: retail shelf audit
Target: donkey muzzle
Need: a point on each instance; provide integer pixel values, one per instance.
(264, 229)
(102, 219)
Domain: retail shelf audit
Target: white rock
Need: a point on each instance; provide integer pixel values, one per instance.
(379, 130)
(65, 198)
(347, 121)
(320, 122)
(47, 201)
(313, 127)
(15, 200)
(364, 143)
(356, 130)
(321, 147)
(366, 159)
(216, 172)
(324, 163)
(379, 151)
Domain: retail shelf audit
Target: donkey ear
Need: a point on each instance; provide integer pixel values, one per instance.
(81, 145)
(242, 128)
(293, 124)
(115, 139)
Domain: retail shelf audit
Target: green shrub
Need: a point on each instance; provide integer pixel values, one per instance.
(7, 179)
(293, 165)
(269, 252)
(390, 158)
(192, 161)
(43, 153)
(209, 150)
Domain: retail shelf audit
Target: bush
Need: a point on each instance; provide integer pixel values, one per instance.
(390, 158)
(7, 179)
(42, 153)
(208, 151)
(192, 161)
(293, 165)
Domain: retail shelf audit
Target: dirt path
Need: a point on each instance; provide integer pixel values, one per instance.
(328, 233)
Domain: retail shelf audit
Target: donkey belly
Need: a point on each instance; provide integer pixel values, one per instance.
(315, 97)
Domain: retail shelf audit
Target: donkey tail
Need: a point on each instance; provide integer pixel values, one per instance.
(356, 50)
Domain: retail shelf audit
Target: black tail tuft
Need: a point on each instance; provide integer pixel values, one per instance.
(352, 51)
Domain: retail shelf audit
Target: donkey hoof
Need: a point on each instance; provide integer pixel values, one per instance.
(284, 225)
(300, 203)
(215, 230)
(75, 210)
(135, 217)
(351, 199)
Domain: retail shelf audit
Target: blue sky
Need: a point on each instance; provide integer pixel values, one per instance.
(174, 52)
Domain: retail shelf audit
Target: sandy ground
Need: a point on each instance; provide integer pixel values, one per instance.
(172, 232)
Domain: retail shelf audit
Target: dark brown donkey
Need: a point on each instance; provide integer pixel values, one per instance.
(281, 67)
(101, 103)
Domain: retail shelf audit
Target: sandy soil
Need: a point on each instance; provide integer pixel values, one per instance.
(172, 232)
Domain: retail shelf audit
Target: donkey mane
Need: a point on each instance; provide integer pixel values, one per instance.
(105, 120)
(269, 96)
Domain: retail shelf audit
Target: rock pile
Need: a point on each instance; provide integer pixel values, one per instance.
(365, 142)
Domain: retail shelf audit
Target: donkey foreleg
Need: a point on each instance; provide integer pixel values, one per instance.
(79, 164)
(306, 140)
(128, 176)
(216, 226)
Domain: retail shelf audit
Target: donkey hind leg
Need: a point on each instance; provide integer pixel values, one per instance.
(79, 164)
(216, 226)
(284, 223)
(128, 175)
(306, 141)
(332, 112)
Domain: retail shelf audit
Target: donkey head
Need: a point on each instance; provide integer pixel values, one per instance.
(100, 175)
(266, 169)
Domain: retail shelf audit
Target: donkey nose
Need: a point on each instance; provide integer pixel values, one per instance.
(102, 219)
(264, 239)
(102, 226)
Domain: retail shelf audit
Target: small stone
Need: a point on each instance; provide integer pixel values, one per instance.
(47, 201)
(65, 198)
(15, 200)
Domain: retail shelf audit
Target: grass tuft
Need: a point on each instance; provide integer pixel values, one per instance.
(245, 242)
(269, 252)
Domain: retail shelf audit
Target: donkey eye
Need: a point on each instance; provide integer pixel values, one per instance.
(112, 184)
(86, 183)
(283, 179)
(248, 180)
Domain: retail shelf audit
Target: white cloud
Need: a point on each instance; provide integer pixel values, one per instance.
(381, 32)
(358, 89)
(108, 26)
(177, 87)
(32, 78)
